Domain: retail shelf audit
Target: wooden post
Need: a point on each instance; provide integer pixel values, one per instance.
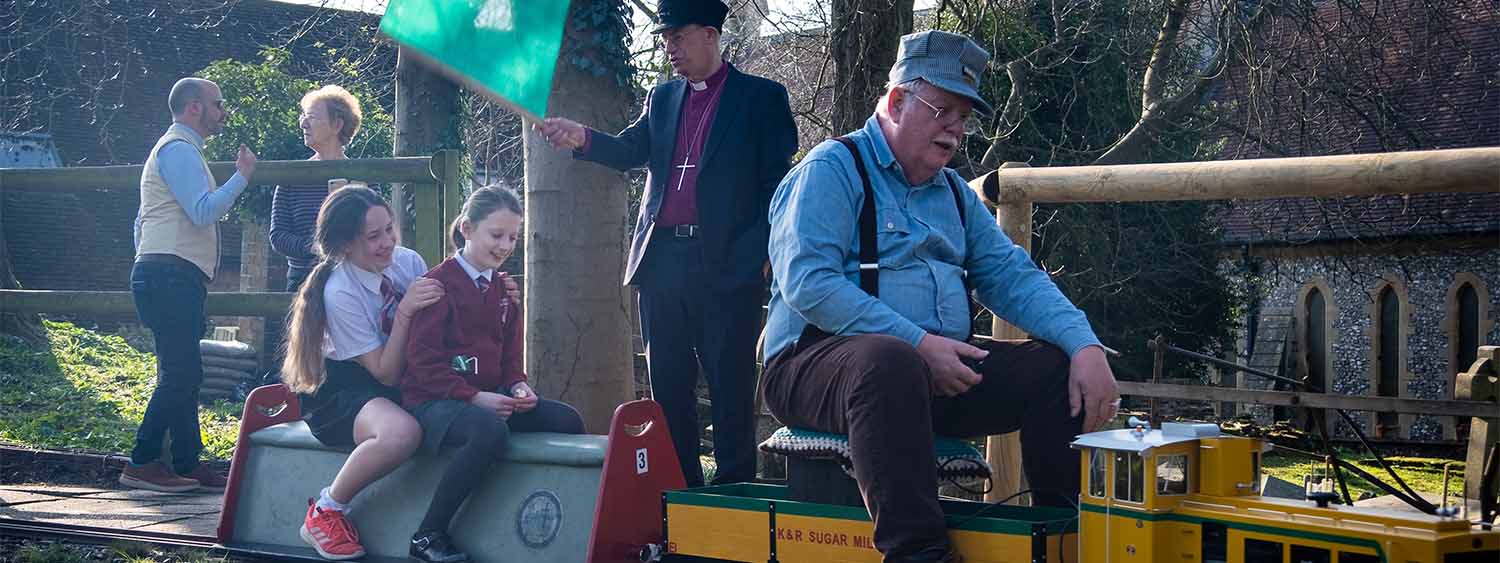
(445, 165)
(1480, 383)
(1158, 358)
(425, 234)
(1004, 451)
(426, 121)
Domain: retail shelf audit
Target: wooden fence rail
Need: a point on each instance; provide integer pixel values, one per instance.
(228, 304)
(413, 169)
(1455, 170)
(1435, 407)
(1015, 188)
(434, 181)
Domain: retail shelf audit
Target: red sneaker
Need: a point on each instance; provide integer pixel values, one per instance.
(329, 533)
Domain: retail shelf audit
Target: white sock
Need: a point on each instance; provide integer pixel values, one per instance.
(326, 502)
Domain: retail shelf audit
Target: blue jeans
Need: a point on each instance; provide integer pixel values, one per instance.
(169, 300)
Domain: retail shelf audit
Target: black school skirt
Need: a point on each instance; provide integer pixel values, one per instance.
(330, 411)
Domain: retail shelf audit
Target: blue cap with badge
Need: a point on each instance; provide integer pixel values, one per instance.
(947, 60)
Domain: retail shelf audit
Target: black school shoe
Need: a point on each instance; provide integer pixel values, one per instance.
(435, 547)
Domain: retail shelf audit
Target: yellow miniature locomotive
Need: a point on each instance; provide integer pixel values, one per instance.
(1183, 493)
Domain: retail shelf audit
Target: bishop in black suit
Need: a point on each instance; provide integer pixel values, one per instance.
(715, 144)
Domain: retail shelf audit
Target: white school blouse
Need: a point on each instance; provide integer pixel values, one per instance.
(351, 301)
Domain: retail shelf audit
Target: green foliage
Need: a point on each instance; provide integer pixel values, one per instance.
(600, 35)
(1137, 270)
(1423, 475)
(264, 97)
(88, 391)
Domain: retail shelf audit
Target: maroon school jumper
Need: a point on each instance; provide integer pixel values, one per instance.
(484, 329)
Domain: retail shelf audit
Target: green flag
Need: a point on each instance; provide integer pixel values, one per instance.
(506, 49)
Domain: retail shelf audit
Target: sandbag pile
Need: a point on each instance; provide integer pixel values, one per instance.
(229, 369)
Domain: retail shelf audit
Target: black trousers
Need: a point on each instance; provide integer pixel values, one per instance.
(169, 299)
(687, 324)
(878, 390)
(480, 437)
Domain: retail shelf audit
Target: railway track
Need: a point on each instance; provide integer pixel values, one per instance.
(98, 535)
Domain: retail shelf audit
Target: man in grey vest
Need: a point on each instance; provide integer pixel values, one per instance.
(176, 255)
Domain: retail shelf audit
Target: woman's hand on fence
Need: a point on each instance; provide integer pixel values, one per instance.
(499, 404)
(421, 293)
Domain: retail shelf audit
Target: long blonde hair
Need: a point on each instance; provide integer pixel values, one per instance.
(340, 221)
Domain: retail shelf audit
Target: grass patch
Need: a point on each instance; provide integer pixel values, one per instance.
(88, 391)
(45, 551)
(1423, 475)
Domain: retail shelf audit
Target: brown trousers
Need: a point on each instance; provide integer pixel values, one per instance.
(878, 390)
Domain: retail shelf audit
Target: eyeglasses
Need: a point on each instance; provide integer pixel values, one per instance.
(947, 118)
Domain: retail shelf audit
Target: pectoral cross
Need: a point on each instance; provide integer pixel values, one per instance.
(682, 177)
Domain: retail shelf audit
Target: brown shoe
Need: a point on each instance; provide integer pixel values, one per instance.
(208, 479)
(156, 476)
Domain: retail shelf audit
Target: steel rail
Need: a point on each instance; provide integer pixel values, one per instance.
(96, 534)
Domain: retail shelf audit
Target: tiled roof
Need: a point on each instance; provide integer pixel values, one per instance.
(1301, 220)
(1432, 83)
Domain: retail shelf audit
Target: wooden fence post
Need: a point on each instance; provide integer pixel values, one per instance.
(1480, 383)
(427, 225)
(446, 167)
(1004, 451)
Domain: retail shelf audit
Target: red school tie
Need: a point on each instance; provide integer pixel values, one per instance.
(389, 298)
(483, 283)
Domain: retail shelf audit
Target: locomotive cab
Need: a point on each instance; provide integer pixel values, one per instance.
(1134, 478)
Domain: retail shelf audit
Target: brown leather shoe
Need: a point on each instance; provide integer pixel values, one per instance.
(156, 476)
(208, 479)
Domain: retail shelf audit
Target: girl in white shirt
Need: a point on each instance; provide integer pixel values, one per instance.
(344, 353)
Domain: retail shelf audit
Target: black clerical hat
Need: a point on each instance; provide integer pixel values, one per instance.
(677, 13)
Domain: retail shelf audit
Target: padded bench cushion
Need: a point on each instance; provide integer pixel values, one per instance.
(957, 460)
(580, 450)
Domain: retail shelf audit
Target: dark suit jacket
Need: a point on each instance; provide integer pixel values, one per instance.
(749, 149)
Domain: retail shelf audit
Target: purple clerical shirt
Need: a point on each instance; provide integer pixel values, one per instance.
(680, 206)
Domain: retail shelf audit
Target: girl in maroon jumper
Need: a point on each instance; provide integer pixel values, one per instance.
(464, 381)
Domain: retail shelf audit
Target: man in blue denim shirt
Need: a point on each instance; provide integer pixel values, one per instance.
(889, 369)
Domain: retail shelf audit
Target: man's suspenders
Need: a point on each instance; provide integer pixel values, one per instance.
(869, 249)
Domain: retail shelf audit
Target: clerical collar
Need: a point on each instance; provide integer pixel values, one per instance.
(712, 80)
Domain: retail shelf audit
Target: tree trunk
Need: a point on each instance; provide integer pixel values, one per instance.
(864, 40)
(427, 121)
(577, 332)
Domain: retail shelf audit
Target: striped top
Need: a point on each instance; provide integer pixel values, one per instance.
(294, 216)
